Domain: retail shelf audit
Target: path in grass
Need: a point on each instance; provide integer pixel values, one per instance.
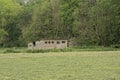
(104, 65)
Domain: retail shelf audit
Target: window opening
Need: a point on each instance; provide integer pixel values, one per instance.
(58, 42)
(49, 42)
(63, 42)
(52, 42)
(45, 42)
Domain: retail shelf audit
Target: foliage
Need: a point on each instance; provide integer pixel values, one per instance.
(9, 11)
(87, 22)
(2, 35)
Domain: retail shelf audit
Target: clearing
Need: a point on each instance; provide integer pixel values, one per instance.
(103, 65)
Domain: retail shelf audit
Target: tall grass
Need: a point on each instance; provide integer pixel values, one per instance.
(69, 49)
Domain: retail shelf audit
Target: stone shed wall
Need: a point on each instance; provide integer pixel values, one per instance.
(48, 44)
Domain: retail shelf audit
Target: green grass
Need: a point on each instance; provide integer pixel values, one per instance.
(73, 49)
(102, 65)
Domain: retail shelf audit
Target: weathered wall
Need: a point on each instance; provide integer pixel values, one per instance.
(48, 44)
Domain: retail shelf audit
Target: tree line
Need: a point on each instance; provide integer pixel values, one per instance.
(85, 22)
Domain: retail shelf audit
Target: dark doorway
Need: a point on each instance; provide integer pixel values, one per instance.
(34, 43)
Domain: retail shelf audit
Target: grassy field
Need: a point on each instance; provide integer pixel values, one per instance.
(69, 49)
(102, 65)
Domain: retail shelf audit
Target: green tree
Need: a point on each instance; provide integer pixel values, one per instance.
(40, 26)
(8, 16)
(103, 22)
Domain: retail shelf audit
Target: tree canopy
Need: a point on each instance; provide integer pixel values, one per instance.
(86, 22)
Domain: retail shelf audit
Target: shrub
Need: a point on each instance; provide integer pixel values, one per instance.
(11, 51)
(115, 46)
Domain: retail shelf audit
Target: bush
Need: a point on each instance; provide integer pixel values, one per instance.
(35, 51)
(11, 51)
(49, 50)
(115, 46)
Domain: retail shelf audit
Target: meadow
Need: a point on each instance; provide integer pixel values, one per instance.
(69, 49)
(84, 65)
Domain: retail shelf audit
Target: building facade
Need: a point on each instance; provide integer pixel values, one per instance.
(48, 44)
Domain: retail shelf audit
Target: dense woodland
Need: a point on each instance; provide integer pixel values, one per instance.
(86, 22)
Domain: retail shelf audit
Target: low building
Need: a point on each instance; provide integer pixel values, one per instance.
(47, 44)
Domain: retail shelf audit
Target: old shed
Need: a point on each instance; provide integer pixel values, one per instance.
(47, 44)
